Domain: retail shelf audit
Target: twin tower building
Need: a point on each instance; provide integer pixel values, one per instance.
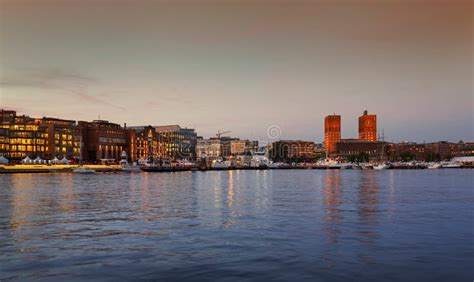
(332, 130)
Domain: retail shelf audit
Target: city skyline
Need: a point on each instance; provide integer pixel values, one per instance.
(244, 67)
(333, 132)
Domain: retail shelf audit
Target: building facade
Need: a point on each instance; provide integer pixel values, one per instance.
(467, 148)
(180, 142)
(63, 138)
(149, 144)
(445, 150)
(103, 141)
(22, 136)
(240, 147)
(292, 150)
(46, 138)
(332, 133)
(436, 151)
(407, 151)
(210, 149)
(368, 127)
(350, 149)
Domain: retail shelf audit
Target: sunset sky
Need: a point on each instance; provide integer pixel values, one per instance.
(244, 65)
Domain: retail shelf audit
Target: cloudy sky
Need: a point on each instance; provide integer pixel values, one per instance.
(244, 65)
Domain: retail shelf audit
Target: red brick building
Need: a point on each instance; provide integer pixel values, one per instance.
(368, 127)
(285, 150)
(103, 141)
(347, 148)
(397, 152)
(332, 133)
(148, 143)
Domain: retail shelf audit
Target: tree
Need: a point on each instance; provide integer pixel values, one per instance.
(359, 158)
(407, 156)
(432, 157)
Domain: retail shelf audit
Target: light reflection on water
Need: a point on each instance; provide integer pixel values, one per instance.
(279, 225)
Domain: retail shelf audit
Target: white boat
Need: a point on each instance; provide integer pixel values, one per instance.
(381, 166)
(83, 170)
(450, 165)
(366, 166)
(259, 160)
(434, 166)
(220, 165)
(126, 167)
(277, 165)
(131, 168)
(345, 165)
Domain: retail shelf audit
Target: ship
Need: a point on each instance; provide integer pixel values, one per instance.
(167, 166)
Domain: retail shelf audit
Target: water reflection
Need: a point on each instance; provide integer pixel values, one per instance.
(264, 225)
(230, 193)
(367, 209)
(368, 198)
(332, 202)
(67, 194)
(26, 202)
(332, 215)
(217, 189)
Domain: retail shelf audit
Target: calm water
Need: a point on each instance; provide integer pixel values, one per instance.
(253, 225)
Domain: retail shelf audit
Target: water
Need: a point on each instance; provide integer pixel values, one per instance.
(239, 225)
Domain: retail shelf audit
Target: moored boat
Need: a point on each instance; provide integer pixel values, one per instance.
(167, 166)
(450, 165)
(382, 166)
(83, 170)
(434, 166)
(221, 165)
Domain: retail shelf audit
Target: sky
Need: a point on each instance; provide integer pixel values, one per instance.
(245, 66)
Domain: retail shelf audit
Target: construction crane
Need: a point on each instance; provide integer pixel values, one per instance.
(220, 133)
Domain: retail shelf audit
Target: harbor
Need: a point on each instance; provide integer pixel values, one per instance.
(178, 167)
(173, 226)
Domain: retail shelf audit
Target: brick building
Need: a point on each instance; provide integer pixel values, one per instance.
(368, 127)
(347, 148)
(103, 141)
(332, 133)
(292, 150)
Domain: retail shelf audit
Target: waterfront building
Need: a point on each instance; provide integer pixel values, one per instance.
(237, 147)
(445, 150)
(368, 127)
(226, 145)
(21, 136)
(103, 141)
(225, 148)
(46, 138)
(132, 154)
(180, 142)
(467, 148)
(435, 151)
(240, 147)
(209, 148)
(63, 138)
(149, 144)
(292, 150)
(407, 151)
(332, 133)
(349, 149)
